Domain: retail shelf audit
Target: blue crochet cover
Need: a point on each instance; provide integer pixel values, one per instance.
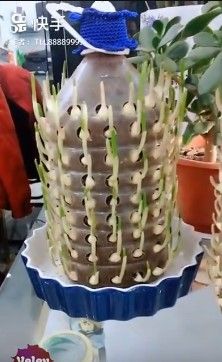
(105, 30)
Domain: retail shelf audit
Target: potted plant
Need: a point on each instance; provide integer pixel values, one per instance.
(198, 160)
(165, 42)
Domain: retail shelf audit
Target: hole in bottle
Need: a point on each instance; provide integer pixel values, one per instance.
(80, 159)
(78, 132)
(98, 107)
(134, 104)
(84, 180)
(106, 132)
(140, 157)
(108, 218)
(107, 180)
(85, 221)
(69, 110)
(140, 272)
(71, 107)
(109, 199)
(108, 237)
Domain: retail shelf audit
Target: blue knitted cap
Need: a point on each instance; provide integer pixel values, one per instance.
(105, 30)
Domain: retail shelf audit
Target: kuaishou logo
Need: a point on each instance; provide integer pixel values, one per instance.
(32, 354)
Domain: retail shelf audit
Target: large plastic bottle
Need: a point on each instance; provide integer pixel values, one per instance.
(108, 218)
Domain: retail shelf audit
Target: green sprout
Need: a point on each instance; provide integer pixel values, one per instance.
(113, 143)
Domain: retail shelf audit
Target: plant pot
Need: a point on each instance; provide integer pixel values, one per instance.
(195, 192)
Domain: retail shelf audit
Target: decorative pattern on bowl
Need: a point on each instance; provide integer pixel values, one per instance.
(53, 286)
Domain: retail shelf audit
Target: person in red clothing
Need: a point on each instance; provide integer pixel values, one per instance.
(16, 85)
(15, 192)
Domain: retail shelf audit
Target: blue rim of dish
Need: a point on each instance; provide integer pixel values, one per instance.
(79, 301)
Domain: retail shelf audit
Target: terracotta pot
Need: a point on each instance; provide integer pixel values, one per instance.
(195, 192)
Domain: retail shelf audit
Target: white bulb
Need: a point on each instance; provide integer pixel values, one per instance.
(136, 233)
(74, 254)
(75, 113)
(90, 183)
(129, 110)
(137, 253)
(135, 129)
(157, 271)
(136, 217)
(115, 258)
(92, 239)
(158, 229)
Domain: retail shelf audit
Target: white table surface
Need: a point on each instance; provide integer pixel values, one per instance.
(191, 331)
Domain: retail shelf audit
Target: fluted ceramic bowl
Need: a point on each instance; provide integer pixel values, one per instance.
(52, 285)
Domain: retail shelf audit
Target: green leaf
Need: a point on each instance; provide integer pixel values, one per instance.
(20, 56)
(191, 80)
(200, 58)
(201, 127)
(200, 67)
(188, 63)
(195, 107)
(190, 97)
(178, 50)
(218, 34)
(146, 37)
(166, 63)
(206, 99)
(170, 34)
(169, 65)
(156, 42)
(172, 22)
(188, 134)
(191, 83)
(199, 23)
(210, 5)
(138, 59)
(212, 77)
(205, 39)
(158, 26)
(202, 103)
(201, 53)
(182, 106)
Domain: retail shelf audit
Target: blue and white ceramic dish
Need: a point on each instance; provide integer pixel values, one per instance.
(52, 285)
